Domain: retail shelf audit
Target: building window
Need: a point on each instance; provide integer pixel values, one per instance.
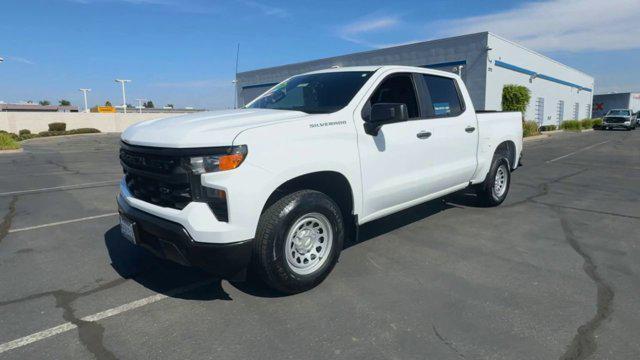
(588, 112)
(560, 112)
(576, 111)
(540, 110)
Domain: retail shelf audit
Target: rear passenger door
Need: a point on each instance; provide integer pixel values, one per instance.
(454, 132)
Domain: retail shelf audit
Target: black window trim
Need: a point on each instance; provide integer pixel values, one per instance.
(427, 94)
(416, 90)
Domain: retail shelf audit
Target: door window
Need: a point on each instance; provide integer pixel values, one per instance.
(444, 96)
(397, 89)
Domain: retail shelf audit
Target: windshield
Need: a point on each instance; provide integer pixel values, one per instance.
(314, 93)
(619, 113)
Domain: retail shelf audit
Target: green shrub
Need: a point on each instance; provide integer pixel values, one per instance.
(57, 126)
(530, 128)
(515, 98)
(28, 136)
(83, 131)
(69, 132)
(597, 122)
(51, 133)
(548, 127)
(571, 125)
(7, 142)
(586, 123)
(24, 132)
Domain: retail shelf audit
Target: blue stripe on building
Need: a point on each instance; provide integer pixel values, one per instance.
(511, 67)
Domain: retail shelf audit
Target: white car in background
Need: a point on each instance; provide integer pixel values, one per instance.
(619, 118)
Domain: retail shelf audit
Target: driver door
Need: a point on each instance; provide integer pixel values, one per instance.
(394, 163)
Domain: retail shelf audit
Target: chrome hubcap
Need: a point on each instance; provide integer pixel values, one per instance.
(308, 243)
(500, 182)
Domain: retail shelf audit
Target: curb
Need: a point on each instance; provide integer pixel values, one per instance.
(12, 151)
(535, 137)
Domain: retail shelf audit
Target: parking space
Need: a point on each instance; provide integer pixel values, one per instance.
(551, 274)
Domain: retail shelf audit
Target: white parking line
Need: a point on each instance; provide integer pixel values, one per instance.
(64, 187)
(62, 222)
(577, 151)
(41, 335)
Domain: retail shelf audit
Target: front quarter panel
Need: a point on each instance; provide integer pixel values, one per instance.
(280, 152)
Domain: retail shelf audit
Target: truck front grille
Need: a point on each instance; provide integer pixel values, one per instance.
(615, 120)
(156, 178)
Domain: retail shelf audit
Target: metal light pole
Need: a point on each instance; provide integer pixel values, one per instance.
(124, 95)
(140, 104)
(84, 92)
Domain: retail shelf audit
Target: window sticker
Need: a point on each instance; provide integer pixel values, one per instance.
(441, 108)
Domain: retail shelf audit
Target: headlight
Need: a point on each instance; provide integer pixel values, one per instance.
(627, 122)
(213, 163)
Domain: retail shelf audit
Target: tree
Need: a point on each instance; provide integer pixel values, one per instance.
(107, 103)
(44, 102)
(129, 106)
(170, 106)
(64, 102)
(149, 104)
(515, 98)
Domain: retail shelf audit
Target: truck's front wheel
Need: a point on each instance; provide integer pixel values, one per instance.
(298, 241)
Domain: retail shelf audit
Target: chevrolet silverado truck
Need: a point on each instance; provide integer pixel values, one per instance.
(619, 118)
(277, 186)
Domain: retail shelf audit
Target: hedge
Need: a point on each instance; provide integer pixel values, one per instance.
(70, 132)
(571, 125)
(530, 128)
(57, 126)
(7, 142)
(548, 128)
(24, 132)
(28, 135)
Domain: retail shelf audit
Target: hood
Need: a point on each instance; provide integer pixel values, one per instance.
(204, 129)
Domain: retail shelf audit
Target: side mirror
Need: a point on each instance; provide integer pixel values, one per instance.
(384, 113)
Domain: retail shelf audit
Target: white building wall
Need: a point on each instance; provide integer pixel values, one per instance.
(510, 63)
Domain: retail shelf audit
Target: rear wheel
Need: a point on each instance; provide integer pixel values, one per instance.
(493, 191)
(298, 241)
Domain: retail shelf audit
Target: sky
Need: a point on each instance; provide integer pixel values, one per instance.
(183, 52)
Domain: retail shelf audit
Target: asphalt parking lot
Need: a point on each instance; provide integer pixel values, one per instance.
(551, 274)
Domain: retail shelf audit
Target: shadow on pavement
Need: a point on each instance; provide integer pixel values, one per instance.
(162, 276)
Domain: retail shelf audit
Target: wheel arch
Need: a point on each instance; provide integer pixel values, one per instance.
(332, 183)
(508, 149)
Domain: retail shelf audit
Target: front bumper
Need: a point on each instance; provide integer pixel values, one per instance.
(171, 241)
(614, 125)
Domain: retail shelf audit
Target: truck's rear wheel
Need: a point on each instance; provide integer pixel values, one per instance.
(298, 241)
(495, 187)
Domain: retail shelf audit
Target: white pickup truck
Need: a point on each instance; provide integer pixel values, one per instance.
(277, 186)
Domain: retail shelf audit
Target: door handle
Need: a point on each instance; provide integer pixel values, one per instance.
(424, 135)
(470, 129)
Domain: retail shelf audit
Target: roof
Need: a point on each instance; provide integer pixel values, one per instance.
(408, 45)
(383, 68)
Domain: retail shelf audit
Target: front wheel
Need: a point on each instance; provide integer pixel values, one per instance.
(298, 241)
(493, 191)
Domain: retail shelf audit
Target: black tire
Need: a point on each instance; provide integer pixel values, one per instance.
(269, 259)
(486, 191)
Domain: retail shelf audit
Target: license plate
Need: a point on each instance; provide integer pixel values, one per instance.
(126, 228)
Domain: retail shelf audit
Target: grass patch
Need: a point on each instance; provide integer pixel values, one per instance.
(530, 128)
(7, 142)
